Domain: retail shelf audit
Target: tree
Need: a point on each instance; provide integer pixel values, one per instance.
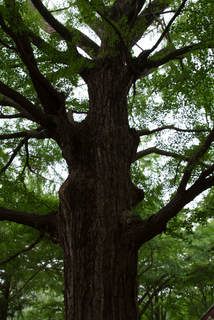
(30, 265)
(30, 273)
(41, 65)
(175, 275)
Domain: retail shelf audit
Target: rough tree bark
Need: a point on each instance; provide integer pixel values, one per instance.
(100, 256)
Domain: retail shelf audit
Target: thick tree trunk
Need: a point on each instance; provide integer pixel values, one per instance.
(100, 257)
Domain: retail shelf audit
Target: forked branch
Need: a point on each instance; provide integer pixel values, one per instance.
(69, 36)
(175, 54)
(6, 101)
(31, 109)
(46, 92)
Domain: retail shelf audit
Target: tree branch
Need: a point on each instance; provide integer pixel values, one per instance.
(128, 60)
(38, 134)
(162, 286)
(85, 43)
(11, 116)
(7, 46)
(144, 132)
(47, 94)
(14, 296)
(155, 150)
(130, 9)
(32, 245)
(23, 113)
(147, 17)
(167, 27)
(41, 44)
(144, 230)
(149, 290)
(31, 109)
(21, 143)
(44, 223)
(53, 22)
(149, 63)
(193, 161)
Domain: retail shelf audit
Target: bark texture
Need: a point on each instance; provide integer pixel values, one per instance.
(100, 257)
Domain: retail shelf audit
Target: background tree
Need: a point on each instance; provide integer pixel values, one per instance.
(170, 105)
(30, 273)
(175, 275)
(30, 264)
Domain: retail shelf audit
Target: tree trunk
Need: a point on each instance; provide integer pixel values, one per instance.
(4, 301)
(100, 256)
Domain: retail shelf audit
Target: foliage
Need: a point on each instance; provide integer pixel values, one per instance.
(30, 272)
(36, 264)
(175, 274)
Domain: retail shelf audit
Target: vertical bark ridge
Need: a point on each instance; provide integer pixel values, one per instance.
(100, 258)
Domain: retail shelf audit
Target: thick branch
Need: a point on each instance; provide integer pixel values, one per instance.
(48, 95)
(23, 113)
(41, 44)
(151, 150)
(53, 22)
(45, 223)
(145, 66)
(34, 111)
(128, 60)
(85, 43)
(149, 63)
(12, 116)
(143, 231)
(28, 134)
(130, 9)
